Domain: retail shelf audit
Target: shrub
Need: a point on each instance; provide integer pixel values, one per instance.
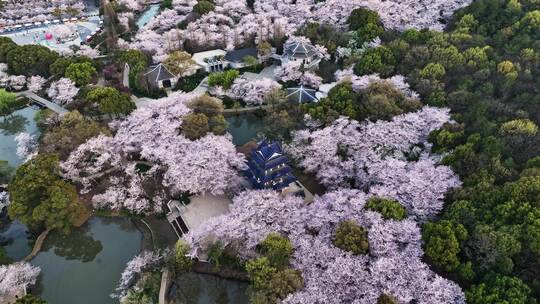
(30, 299)
(203, 7)
(224, 79)
(386, 299)
(195, 126)
(352, 237)
(278, 249)
(388, 208)
(284, 282)
(260, 272)
(182, 261)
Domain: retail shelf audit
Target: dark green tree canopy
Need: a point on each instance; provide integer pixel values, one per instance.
(443, 242)
(80, 73)
(360, 17)
(203, 7)
(388, 208)
(30, 299)
(111, 101)
(30, 60)
(278, 249)
(499, 289)
(352, 237)
(41, 199)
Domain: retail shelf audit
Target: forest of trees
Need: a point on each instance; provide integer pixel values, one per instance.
(428, 144)
(486, 68)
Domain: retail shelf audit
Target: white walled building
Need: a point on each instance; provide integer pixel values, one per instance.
(211, 61)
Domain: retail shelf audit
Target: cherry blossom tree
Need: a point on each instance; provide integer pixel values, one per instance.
(86, 50)
(28, 11)
(12, 82)
(394, 14)
(63, 91)
(124, 19)
(331, 275)
(127, 192)
(35, 83)
(63, 31)
(145, 261)
(26, 145)
(252, 91)
(291, 71)
(133, 5)
(95, 157)
(151, 137)
(311, 80)
(17, 83)
(166, 20)
(420, 186)
(17, 276)
(362, 82)
(374, 155)
(333, 152)
(295, 72)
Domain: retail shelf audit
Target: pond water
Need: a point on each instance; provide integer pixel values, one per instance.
(244, 128)
(147, 15)
(14, 237)
(85, 266)
(194, 288)
(20, 121)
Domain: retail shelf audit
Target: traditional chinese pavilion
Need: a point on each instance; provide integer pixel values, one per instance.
(268, 167)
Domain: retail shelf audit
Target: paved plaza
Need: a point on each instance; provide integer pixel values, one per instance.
(37, 35)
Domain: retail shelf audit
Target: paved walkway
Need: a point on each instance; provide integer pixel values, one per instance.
(142, 101)
(36, 34)
(202, 87)
(203, 207)
(166, 281)
(267, 72)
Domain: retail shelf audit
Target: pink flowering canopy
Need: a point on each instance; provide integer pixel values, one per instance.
(332, 275)
(15, 277)
(233, 23)
(252, 91)
(151, 137)
(386, 159)
(62, 91)
(145, 261)
(373, 155)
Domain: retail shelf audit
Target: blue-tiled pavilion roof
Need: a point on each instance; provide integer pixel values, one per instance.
(268, 167)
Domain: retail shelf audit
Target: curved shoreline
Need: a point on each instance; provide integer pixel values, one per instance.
(147, 235)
